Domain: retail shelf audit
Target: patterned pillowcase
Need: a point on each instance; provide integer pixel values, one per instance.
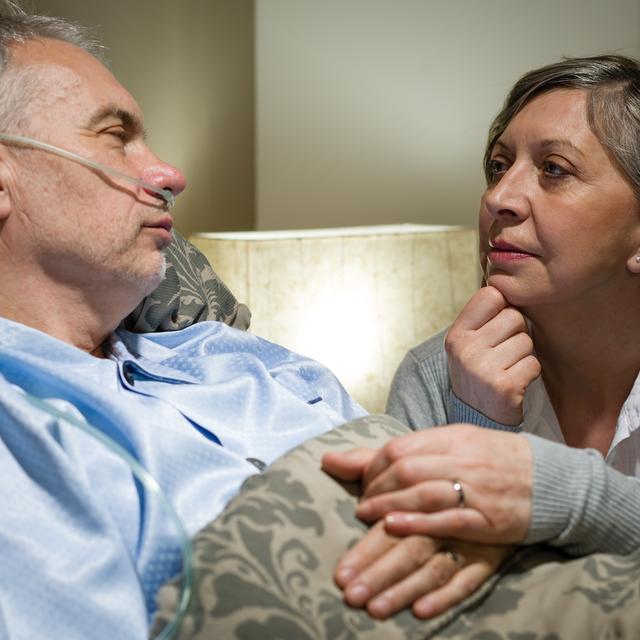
(190, 292)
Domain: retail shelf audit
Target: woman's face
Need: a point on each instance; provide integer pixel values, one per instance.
(558, 222)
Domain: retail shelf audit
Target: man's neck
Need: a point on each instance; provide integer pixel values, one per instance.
(64, 313)
(74, 328)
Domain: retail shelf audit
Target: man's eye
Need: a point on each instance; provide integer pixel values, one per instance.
(117, 132)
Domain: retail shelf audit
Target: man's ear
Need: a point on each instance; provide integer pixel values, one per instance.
(5, 181)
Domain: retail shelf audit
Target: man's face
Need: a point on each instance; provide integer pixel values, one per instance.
(80, 226)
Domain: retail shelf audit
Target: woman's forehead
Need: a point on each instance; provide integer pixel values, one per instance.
(558, 115)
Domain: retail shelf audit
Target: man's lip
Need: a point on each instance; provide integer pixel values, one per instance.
(165, 222)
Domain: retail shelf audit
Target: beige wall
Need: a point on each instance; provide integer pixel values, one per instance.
(356, 111)
(375, 111)
(190, 65)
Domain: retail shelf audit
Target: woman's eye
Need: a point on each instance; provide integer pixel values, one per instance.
(496, 168)
(554, 170)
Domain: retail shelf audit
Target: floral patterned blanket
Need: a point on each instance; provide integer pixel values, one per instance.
(263, 570)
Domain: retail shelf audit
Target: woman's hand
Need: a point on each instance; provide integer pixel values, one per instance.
(415, 473)
(386, 574)
(490, 353)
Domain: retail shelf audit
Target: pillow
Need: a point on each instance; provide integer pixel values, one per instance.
(190, 292)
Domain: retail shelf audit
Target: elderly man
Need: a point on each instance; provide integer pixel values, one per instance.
(200, 409)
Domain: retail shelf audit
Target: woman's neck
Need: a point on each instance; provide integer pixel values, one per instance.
(591, 347)
(590, 357)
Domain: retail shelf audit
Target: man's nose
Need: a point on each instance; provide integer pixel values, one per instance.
(165, 176)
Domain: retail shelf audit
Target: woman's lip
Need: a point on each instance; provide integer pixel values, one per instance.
(501, 245)
(501, 256)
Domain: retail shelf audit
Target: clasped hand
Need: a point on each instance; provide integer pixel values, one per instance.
(424, 550)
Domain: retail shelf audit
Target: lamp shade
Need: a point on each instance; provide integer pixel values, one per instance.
(355, 299)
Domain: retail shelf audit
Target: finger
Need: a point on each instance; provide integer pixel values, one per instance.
(347, 465)
(440, 440)
(507, 323)
(392, 567)
(411, 470)
(526, 370)
(461, 585)
(376, 542)
(513, 349)
(432, 575)
(427, 496)
(385, 457)
(459, 524)
(485, 304)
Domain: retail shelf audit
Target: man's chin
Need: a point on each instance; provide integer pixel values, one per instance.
(148, 280)
(163, 269)
(155, 279)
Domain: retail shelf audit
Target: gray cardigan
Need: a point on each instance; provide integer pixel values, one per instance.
(579, 502)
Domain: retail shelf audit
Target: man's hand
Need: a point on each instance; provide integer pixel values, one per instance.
(490, 353)
(386, 574)
(415, 474)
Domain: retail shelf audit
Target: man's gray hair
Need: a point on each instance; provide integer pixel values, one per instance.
(613, 105)
(17, 26)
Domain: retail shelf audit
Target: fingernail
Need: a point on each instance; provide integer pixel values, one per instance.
(424, 609)
(344, 575)
(363, 510)
(397, 518)
(357, 594)
(380, 607)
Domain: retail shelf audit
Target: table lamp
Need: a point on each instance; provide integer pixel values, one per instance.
(355, 299)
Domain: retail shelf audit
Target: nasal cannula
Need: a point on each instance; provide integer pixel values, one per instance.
(165, 194)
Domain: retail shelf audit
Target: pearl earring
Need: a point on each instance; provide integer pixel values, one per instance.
(638, 259)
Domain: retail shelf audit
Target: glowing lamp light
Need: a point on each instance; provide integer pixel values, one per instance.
(355, 299)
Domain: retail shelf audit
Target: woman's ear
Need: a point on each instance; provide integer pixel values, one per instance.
(633, 263)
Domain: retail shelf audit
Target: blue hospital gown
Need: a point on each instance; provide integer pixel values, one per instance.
(83, 549)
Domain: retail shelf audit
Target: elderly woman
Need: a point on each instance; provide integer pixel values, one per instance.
(548, 352)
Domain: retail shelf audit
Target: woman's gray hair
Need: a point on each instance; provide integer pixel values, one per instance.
(613, 105)
(17, 26)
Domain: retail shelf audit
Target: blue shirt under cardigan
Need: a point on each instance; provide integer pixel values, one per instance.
(83, 550)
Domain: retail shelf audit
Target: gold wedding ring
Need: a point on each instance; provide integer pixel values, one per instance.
(455, 558)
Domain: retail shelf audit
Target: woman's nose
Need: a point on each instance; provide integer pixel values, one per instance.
(508, 198)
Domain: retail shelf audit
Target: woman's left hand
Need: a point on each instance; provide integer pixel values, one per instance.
(410, 483)
(386, 574)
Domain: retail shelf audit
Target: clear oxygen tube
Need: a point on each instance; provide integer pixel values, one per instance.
(165, 194)
(150, 485)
